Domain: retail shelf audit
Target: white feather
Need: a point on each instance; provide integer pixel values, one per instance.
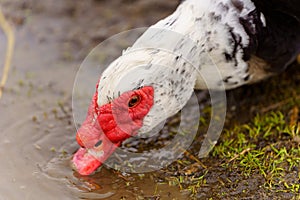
(181, 42)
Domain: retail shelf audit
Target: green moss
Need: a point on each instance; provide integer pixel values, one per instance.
(265, 147)
(258, 152)
(252, 148)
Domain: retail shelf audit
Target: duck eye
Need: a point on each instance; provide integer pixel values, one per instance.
(133, 101)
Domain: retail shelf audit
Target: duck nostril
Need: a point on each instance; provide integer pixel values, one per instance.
(79, 141)
(98, 143)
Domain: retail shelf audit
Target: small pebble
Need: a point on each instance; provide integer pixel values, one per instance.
(297, 139)
(34, 119)
(37, 146)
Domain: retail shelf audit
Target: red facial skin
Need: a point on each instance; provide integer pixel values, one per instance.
(111, 123)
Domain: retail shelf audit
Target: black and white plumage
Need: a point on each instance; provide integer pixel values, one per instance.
(247, 40)
(204, 44)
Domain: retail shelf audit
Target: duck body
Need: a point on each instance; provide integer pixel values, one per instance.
(207, 44)
(248, 40)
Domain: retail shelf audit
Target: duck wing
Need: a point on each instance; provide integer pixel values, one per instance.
(279, 40)
(288, 7)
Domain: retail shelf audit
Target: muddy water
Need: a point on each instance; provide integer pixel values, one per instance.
(36, 124)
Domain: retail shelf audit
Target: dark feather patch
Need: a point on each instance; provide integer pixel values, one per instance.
(238, 4)
(279, 41)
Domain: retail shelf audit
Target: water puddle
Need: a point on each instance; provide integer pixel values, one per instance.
(36, 127)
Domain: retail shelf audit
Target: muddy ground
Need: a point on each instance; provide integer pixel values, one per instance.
(36, 123)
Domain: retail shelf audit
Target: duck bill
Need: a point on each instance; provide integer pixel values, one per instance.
(86, 160)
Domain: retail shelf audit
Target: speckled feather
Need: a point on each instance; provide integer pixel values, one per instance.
(204, 44)
(208, 53)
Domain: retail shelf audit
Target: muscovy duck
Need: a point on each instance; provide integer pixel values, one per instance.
(246, 41)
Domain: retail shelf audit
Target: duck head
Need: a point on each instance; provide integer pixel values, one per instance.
(134, 94)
